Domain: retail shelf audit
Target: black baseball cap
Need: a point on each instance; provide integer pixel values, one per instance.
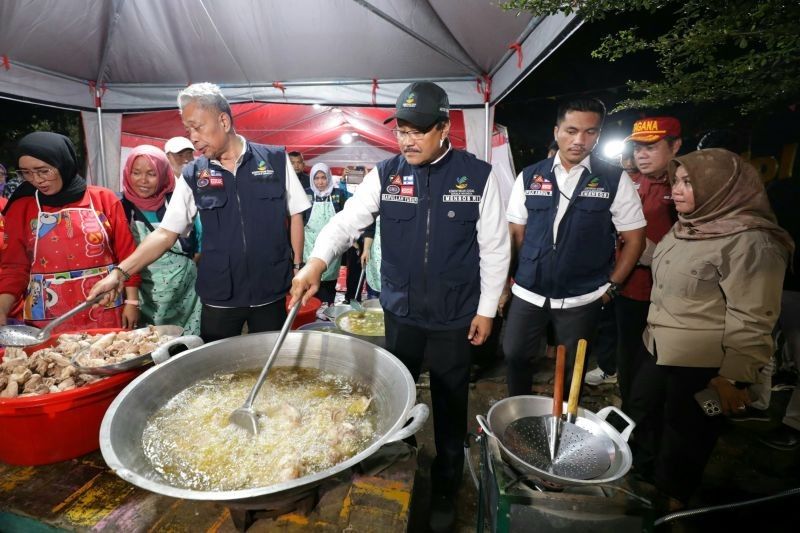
(422, 104)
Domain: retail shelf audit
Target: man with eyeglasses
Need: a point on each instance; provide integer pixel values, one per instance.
(445, 247)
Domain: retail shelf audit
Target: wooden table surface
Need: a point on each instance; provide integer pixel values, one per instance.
(84, 495)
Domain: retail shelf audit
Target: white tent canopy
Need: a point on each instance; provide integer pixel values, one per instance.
(136, 55)
(142, 52)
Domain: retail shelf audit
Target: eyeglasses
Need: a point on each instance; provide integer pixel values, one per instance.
(43, 173)
(414, 135)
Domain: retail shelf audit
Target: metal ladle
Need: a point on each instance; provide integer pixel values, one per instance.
(354, 303)
(24, 335)
(245, 416)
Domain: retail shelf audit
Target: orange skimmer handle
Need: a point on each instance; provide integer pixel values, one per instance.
(558, 384)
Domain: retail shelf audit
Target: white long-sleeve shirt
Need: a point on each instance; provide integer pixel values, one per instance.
(492, 234)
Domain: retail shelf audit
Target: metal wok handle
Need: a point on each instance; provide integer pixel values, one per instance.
(603, 413)
(161, 354)
(468, 457)
(417, 415)
(484, 424)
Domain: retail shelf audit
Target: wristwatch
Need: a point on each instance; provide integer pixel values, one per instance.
(298, 266)
(613, 289)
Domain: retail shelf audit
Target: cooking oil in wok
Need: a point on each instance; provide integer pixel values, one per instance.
(309, 421)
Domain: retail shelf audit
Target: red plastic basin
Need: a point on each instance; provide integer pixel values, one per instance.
(54, 427)
(307, 313)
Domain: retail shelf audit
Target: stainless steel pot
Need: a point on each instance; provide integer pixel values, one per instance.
(330, 327)
(510, 409)
(393, 389)
(379, 340)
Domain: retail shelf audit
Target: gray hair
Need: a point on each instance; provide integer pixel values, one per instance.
(206, 95)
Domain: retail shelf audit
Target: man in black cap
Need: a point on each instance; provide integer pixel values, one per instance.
(445, 248)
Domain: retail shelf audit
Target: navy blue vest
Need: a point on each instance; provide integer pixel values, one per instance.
(247, 255)
(430, 274)
(582, 258)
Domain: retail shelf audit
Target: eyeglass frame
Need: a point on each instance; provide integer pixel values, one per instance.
(43, 173)
(414, 135)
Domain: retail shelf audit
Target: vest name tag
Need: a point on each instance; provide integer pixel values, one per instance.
(589, 193)
(470, 198)
(538, 192)
(399, 198)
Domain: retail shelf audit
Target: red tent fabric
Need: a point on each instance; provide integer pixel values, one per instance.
(312, 130)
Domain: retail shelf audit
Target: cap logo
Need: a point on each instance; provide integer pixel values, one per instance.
(411, 100)
(646, 125)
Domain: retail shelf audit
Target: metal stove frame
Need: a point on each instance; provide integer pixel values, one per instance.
(509, 502)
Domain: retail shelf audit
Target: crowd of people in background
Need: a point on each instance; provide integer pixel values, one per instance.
(671, 266)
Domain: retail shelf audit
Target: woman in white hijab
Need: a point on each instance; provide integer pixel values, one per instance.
(326, 201)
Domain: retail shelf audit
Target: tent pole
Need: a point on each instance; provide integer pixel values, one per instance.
(100, 175)
(488, 140)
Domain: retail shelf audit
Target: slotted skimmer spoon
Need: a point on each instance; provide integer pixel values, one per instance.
(580, 454)
(245, 416)
(24, 335)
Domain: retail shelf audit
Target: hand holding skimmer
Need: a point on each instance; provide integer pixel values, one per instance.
(23, 335)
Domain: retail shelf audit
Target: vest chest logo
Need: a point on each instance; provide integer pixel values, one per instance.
(209, 177)
(262, 169)
(394, 184)
(462, 192)
(400, 189)
(594, 190)
(540, 186)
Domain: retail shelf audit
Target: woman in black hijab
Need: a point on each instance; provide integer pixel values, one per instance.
(63, 237)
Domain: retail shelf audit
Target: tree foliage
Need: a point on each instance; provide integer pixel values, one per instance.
(744, 52)
(21, 119)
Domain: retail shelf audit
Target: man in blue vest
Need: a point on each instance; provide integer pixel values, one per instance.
(445, 247)
(251, 206)
(564, 214)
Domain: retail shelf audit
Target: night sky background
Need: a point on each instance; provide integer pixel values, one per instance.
(529, 111)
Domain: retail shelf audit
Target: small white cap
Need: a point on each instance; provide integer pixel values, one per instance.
(178, 144)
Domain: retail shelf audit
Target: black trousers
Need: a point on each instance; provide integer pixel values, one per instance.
(327, 291)
(631, 321)
(605, 342)
(673, 439)
(448, 357)
(223, 322)
(352, 259)
(525, 327)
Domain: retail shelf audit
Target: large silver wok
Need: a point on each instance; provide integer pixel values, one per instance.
(393, 389)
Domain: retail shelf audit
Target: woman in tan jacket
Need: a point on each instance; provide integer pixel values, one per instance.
(717, 278)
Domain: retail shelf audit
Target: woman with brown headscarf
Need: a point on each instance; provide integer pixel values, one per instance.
(717, 278)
